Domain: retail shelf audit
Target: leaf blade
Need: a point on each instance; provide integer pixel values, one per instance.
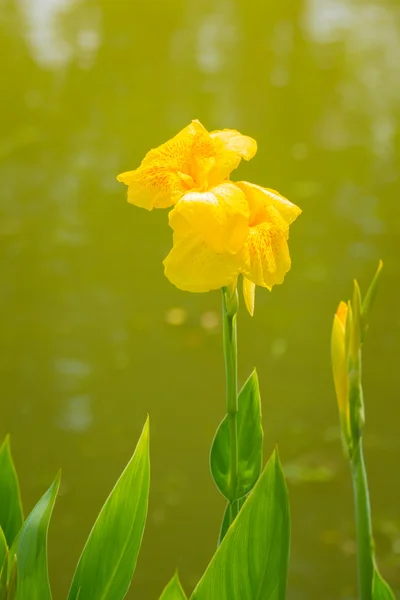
(108, 560)
(380, 589)
(174, 590)
(11, 517)
(250, 444)
(252, 561)
(30, 548)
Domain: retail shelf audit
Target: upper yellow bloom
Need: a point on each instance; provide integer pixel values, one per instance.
(192, 160)
(221, 228)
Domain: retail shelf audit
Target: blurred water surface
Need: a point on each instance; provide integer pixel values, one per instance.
(93, 336)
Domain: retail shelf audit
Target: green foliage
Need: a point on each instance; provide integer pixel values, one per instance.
(30, 547)
(108, 561)
(226, 520)
(252, 561)
(380, 589)
(11, 517)
(3, 548)
(250, 441)
(174, 590)
(8, 588)
(369, 299)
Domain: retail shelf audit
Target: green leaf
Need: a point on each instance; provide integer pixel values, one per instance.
(3, 566)
(30, 548)
(11, 517)
(225, 523)
(174, 590)
(250, 442)
(108, 560)
(380, 589)
(252, 561)
(370, 298)
(12, 582)
(3, 582)
(226, 518)
(355, 331)
(3, 548)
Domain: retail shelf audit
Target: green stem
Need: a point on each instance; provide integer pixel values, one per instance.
(229, 312)
(365, 549)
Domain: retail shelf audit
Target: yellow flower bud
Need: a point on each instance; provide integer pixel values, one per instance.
(339, 367)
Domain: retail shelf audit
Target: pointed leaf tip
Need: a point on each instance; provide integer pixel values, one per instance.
(252, 560)
(108, 560)
(370, 296)
(31, 549)
(174, 590)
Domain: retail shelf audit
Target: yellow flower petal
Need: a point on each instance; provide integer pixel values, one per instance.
(230, 147)
(244, 146)
(220, 216)
(260, 197)
(266, 257)
(166, 172)
(193, 266)
(249, 292)
(339, 363)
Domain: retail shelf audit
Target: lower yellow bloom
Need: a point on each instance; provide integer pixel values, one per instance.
(234, 228)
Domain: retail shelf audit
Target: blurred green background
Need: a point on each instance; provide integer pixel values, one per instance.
(93, 337)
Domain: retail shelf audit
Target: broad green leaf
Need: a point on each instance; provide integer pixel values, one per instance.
(380, 589)
(30, 548)
(252, 561)
(108, 560)
(174, 590)
(11, 518)
(250, 441)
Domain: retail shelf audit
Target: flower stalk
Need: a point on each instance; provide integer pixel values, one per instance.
(229, 312)
(349, 328)
(365, 546)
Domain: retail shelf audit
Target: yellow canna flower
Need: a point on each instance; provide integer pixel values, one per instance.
(243, 229)
(339, 366)
(192, 160)
(221, 228)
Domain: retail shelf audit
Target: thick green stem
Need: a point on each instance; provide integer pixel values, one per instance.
(365, 549)
(229, 311)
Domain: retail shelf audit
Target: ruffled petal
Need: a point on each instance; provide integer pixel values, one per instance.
(166, 172)
(266, 258)
(260, 197)
(230, 147)
(243, 145)
(195, 267)
(219, 216)
(249, 294)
